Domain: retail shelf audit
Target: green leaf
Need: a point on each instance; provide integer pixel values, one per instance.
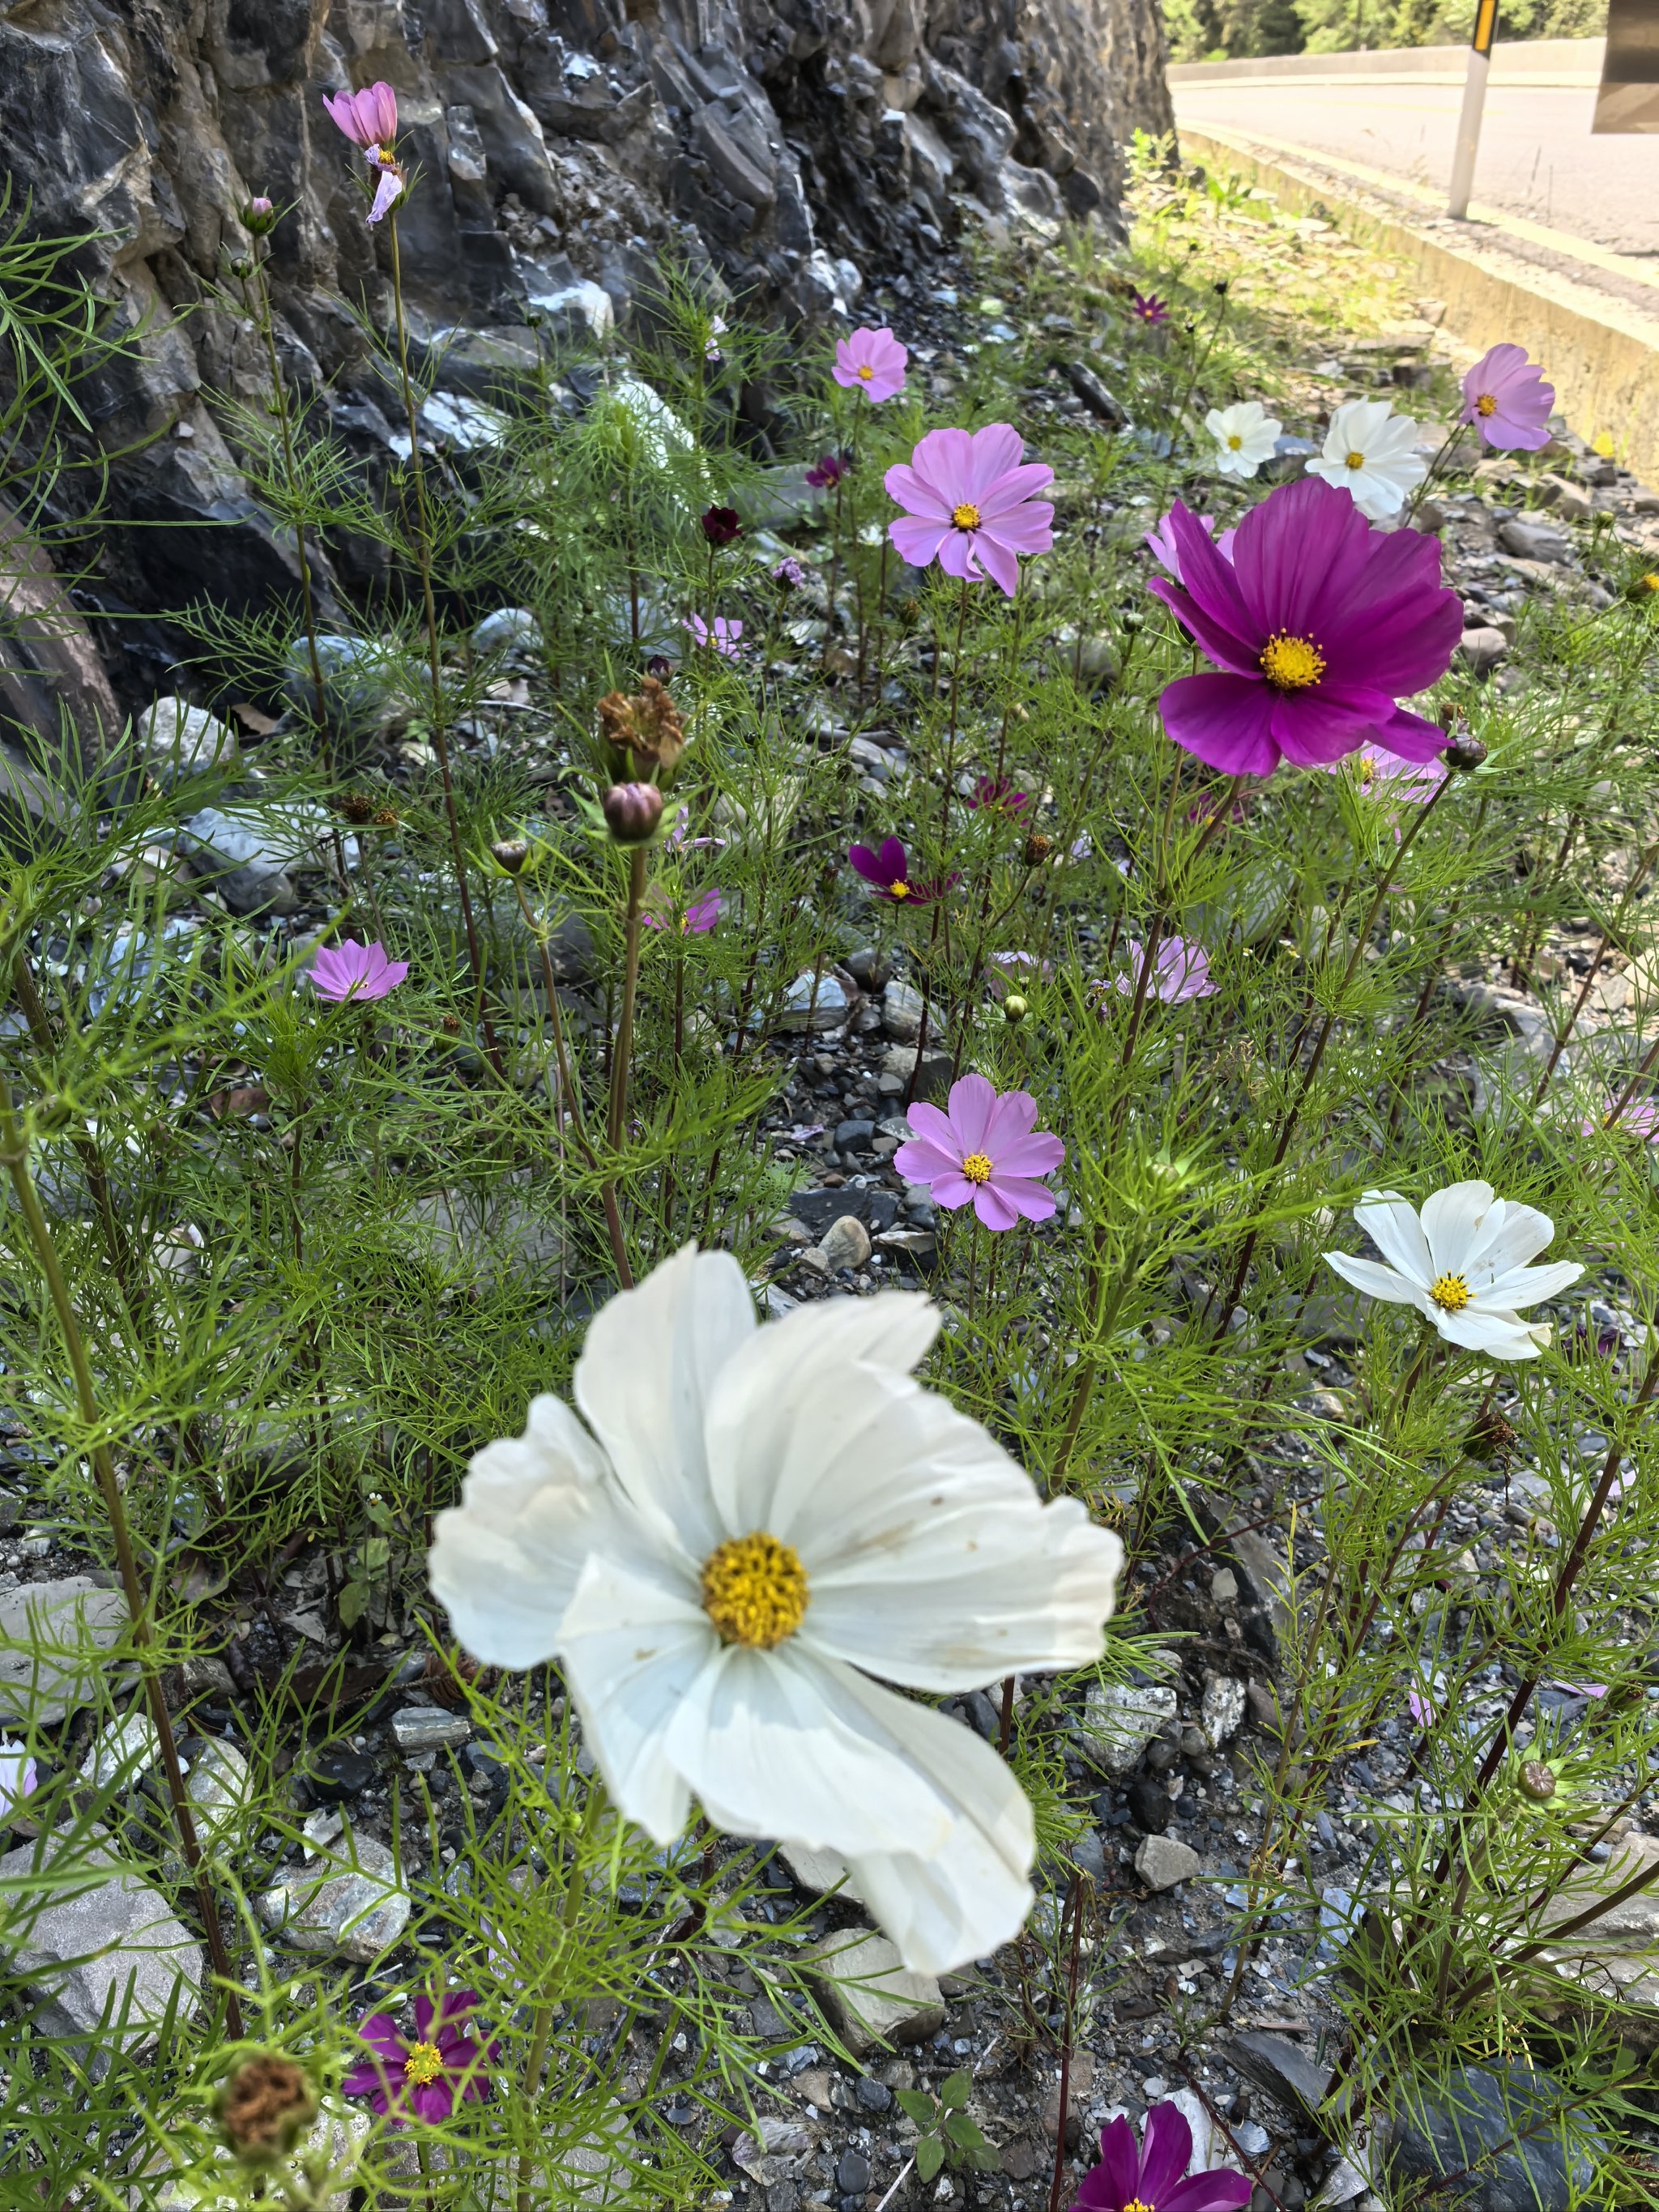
(964, 2132)
(930, 2156)
(955, 2089)
(351, 1603)
(919, 2108)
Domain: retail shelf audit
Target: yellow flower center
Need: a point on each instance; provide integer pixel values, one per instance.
(1367, 768)
(1486, 405)
(1235, 443)
(977, 1168)
(1291, 664)
(1450, 1293)
(1356, 460)
(899, 889)
(866, 371)
(965, 515)
(424, 2064)
(1137, 2204)
(1651, 581)
(754, 1591)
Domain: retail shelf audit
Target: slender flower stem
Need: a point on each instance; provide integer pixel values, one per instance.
(439, 741)
(1608, 935)
(1629, 1090)
(1058, 2182)
(14, 1155)
(624, 1052)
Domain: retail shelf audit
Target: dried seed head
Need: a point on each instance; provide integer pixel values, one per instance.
(356, 806)
(1037, 848)
(451, 1025)
(1464, 752)
(641, 729)
(386, 818)
(264, 2107)
(632, 811)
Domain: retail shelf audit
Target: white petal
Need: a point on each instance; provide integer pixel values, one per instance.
(505, 1562)
(1505, 1336)
(1510, 1236)
(956, 1602)
(1376, 1282)
(633, 1643)
(643, 1380)
(1393, 1226)
(798, 1397)
(1452, 1220)
(971, 1894)
(776, 1743)
(1524, 1287)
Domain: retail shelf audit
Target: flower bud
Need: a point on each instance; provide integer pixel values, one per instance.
(632, 811)
(1015, 1008)
(1037, 848)
(259, 215)
(1537, 1782)
(240, 266)
(266, 2106)
(1464, 753)
(510, 853)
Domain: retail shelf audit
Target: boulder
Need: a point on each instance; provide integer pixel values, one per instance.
(350, 1904)
(871, 1995)
(1120, 1719)
(54, 1637)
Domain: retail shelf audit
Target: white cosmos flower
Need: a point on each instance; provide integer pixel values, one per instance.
(752, 1524)
(1463, 1263)
(1372, 452)
(1244, 435)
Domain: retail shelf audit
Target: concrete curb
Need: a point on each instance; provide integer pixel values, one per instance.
(1528, 61)
(1602, 355)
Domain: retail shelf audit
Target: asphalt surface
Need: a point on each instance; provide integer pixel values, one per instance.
(1537, 159)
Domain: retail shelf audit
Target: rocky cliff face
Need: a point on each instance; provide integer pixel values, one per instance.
(787, 146)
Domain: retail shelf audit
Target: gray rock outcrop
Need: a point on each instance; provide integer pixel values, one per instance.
(785, 146)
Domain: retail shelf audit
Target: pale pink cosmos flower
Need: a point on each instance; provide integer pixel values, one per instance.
(388, 187)
(697, 919)
(369, 118)
(970, 504)
(1640, 1119)
(872, 362)
(18, 1776)
(1505, 397)
(983, 1152)
(724, 637)
(355, 971)
(1167, 553)
(1179, 971)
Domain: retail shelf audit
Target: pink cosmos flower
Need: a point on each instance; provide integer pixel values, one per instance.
(872, 362)
(1318, 624)
(887, 872)
(369, 118)
(1179, 971)
(983, 1152)
(355, 971)
(1148, 308)
(1385, 775)
(1166, 553)
(424, 2078)
(1505, 397)
(698, 919)
(1419, 1709)
(1148, 2176)
(1004, 974)
(1640, 1118)
(996, 795)
(389, 185)
(724, 639)
(18, 1777)
(711, 351)
(970, 504)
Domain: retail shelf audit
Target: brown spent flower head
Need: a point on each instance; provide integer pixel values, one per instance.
(451, 1025)
(632, 811)
(1037, 848)
(266, 2106)
(1492, 1438)
(641, 729)
(1464, 752)
(357, 806)
(386, 818)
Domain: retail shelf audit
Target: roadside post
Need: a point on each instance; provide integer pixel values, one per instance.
(1474, 100)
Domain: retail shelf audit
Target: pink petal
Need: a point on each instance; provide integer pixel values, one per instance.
(995, 1209)
(919, 542)
(953, 1190)
(995, 451)
(1039, 1154)
(921, 1162)
(973, 1101)
(958, 557)
(998, 562)
(917, 493)
(945, 459)
(932, 1125)
(1014, 1113)
(1029, 1198)
(1026, 529)
(1019, 484)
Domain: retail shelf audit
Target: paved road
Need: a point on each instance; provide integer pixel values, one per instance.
(1537, 157)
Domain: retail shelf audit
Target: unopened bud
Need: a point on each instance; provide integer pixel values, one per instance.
(1015, 1008)
(240, 266)
(1464, 753)
(1537, 1782)
(266, 2106)
(1037, 848)
(259, 215)
(510, 853)
(632, 811)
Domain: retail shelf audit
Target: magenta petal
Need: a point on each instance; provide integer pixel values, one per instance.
(1221, 2190)
(1096, 2193)
(363, 2080)
(1120, 2160)
(433, 2101)
(1166, 2151)
(1239, 652)
(1226, 720)
(1411, 736)
(1211, 582)
(381, 2031)
(1312, 729)
(1300, 555)
(425, 2013)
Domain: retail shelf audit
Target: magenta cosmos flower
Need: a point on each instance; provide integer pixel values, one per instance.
(1149, 2178)
(983, 1151)
(888, 874)
(872, 362)
(425, 2077)
(355, 971)
(369, 118)
(1318, 624)
(1167, 553)
(725, 636)
(698, 919)
(828, 471)
(1180, 970)
(968, 504)
(996, 795)
(1505, 397)
(1148, 308)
